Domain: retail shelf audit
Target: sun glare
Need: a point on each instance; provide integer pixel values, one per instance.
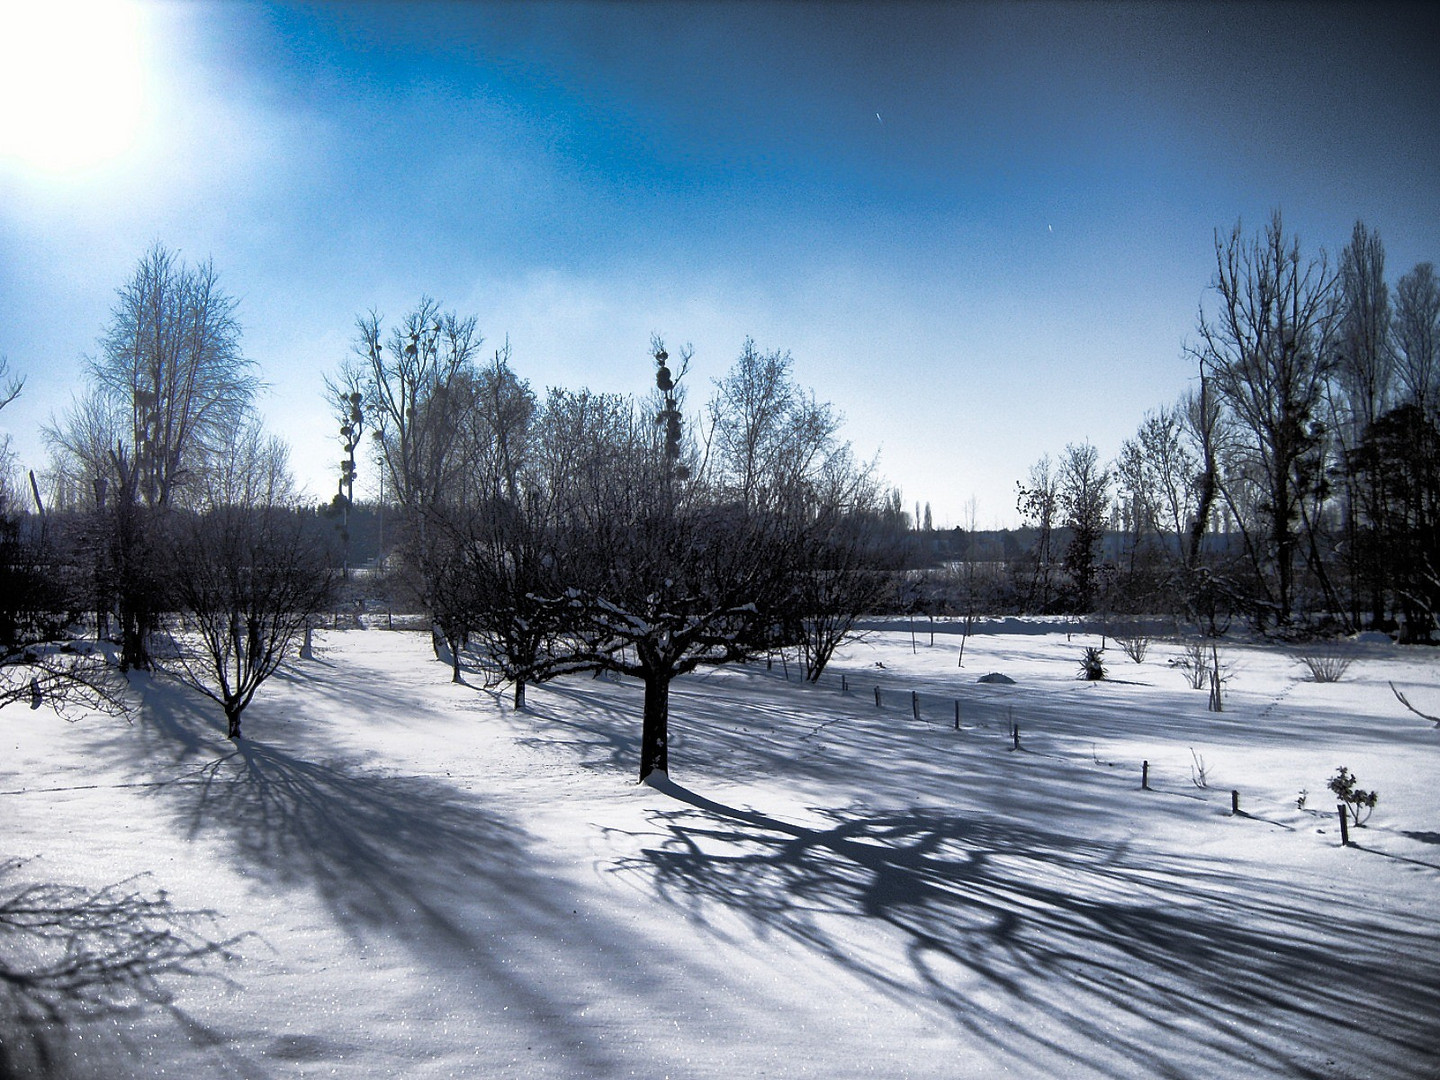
(71, 82)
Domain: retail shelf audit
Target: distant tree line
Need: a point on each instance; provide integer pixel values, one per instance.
(1296, 485)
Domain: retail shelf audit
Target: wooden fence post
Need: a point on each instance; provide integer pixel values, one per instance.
(877, 697)
(957, 714)
(1344, 825)
(1234, 803)
(915, 703)
(1145, 775)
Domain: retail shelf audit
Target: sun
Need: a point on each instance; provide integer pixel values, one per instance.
(71, 82)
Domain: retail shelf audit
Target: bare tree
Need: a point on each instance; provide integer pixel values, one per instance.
(1396, 469)
(171, 360)
(91, 453)
(1417, 337)
(522, 476)
(664, 566)
(844, 561)
(1205, 425)
(973, 586)
(1084, 498)
(1363, 358)
(773, 448)
(39, 663)
(82, 442)
(347, 397)
(167, 390)
(418, 385)
(1156, 472)
(757, 424)
(40, 599)
(1265, 350)
(1039, 507)
(1363, 368)
(247, 577)
(10, 386)
(416, 393)
(665, 589)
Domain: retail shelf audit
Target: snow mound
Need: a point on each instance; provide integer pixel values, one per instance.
(997, 677)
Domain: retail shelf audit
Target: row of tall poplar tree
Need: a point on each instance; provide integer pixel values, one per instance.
(1296, 484)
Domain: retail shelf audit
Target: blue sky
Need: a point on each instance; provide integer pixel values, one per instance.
(982, 230)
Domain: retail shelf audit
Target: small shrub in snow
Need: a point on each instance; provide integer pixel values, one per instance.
(1193, 664)
(1359, 802)
(1092, 663)
(1135, 644)
(1326, 665)
(1199, 774)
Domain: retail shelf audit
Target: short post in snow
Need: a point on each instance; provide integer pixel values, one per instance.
(1344, 825)
(1234, 803)
(877, 697)
(844, 686)
(957, 714)
(915, 703)
(1015, 734)
(1145, 776)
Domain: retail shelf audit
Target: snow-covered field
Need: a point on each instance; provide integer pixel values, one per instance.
(414, 880)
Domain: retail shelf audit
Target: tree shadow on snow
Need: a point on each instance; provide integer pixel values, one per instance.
(410, 860)
(1042, 944)
(405, 858)
(72, 956)
(599, 722)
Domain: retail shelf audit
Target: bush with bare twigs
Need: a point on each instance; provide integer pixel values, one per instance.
(1326, 664)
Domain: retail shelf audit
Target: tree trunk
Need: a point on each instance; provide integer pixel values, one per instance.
(232, 722)
(1283, 539)
(519, 694)
(655, 735)
(133, 653)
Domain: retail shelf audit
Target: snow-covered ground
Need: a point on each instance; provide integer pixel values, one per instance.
(414, 880)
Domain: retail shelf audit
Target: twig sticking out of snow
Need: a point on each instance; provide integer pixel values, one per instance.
(1404, 701)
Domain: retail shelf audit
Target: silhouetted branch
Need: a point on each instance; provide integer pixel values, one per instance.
(1405, 701)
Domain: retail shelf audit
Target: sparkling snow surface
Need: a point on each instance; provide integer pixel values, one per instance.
(416, 881)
